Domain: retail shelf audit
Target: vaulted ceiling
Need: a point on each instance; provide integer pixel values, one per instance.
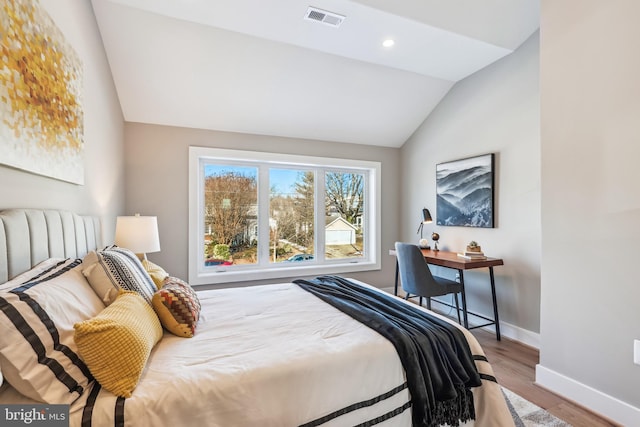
(260, 67)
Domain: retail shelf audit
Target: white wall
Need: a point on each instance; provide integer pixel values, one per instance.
(103, 191)
(157, 167)
(495, 110)
(590, 130)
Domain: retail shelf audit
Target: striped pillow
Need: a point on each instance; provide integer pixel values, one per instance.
(38, 355)
(114, 268)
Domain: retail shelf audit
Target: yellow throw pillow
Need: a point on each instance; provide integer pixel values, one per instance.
(156, 272)
(116, 344)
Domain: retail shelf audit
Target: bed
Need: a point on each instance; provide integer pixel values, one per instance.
(272, 355)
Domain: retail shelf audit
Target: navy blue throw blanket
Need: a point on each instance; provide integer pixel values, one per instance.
(435, 354)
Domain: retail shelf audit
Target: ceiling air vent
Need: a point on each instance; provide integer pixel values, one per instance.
(324, 17)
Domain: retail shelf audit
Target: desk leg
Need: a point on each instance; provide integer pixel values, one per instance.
(395, 287)
(464, 301)
(495, 303)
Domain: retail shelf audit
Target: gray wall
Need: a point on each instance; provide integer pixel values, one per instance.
(156, 163)
(495, 110)
(103, 191)
(590, 128)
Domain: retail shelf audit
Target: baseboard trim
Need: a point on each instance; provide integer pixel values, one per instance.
(592, 399)
(507, 330)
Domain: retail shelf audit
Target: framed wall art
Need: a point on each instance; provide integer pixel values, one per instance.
(464, 190)
(41, 80)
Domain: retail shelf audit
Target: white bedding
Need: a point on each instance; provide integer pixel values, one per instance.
(271, 355)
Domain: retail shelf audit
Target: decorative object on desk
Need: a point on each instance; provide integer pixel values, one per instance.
(474, 247)
(138, 233)
(464, 190)
(435, 237)
(426, 219)
(473, 251)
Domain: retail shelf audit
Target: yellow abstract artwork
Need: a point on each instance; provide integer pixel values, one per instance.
(41, 115)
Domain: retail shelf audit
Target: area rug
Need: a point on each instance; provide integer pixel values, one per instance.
(526, 414)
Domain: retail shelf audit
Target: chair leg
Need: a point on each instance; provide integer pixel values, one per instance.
(429, 303)
(420, 301)
(406, 295)
(457, 308)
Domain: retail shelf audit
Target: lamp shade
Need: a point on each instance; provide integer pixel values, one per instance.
(426, 216)
(138, 233)
(426, 219)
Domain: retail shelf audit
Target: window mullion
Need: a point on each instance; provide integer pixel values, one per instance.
(320, 215)
(263, 215)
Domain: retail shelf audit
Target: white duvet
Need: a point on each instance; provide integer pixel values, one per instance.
(272, 355)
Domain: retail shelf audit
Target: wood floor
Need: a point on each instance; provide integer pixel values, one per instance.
(514, 366)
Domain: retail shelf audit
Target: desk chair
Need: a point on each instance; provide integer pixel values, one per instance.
(417, 280)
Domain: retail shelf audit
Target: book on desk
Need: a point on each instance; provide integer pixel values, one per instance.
(472, 255)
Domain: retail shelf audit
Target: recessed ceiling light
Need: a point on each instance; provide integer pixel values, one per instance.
(388, 43)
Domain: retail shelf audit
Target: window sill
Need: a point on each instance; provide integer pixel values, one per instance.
(230, 275)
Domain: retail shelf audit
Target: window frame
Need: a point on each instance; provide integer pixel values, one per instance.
(201, 275)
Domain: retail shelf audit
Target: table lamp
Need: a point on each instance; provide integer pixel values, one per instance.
(138, 233)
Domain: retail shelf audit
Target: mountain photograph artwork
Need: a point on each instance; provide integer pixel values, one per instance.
(465, 192)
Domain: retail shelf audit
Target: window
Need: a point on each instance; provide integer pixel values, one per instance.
(262, 215)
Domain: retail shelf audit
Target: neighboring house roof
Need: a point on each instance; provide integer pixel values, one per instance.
(337, 222)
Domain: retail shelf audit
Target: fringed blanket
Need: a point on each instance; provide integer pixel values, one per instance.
(436, 357)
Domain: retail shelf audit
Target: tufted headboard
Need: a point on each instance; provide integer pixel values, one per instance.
(29, 236)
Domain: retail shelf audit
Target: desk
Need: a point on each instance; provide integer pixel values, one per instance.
(452, 260)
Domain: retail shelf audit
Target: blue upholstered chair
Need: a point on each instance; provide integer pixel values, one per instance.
(417, 280)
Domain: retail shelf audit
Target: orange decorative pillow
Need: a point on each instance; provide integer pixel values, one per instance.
(177, 307)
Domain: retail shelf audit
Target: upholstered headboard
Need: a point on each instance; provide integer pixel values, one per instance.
(29, 236)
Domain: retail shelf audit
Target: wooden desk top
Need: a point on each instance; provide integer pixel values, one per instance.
(452, 260)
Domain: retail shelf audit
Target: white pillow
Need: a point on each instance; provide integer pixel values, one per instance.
(38, 355)
(114, 268)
